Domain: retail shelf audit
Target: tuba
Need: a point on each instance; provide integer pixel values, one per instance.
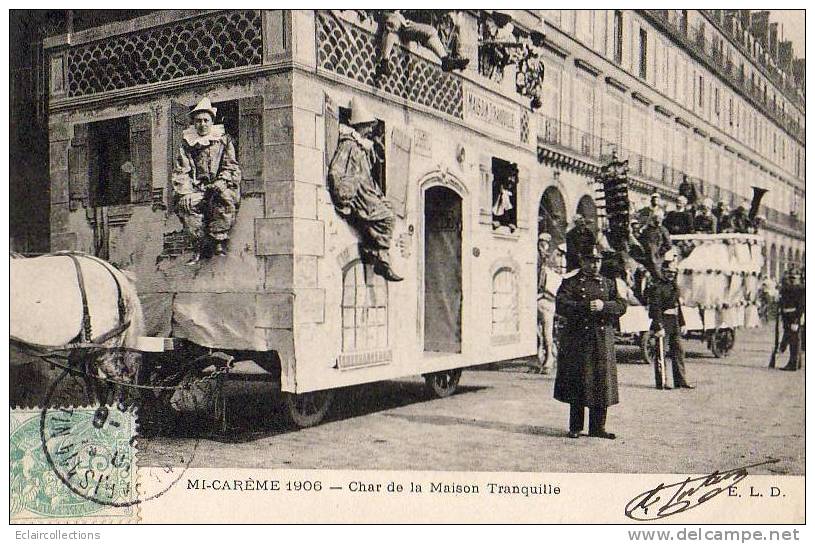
(758, 194)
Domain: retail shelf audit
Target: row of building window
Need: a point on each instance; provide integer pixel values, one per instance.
(631, 128)
(673, 72)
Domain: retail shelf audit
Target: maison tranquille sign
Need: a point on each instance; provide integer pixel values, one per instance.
(488, 113)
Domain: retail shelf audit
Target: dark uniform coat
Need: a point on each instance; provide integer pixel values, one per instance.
(663, 295)
(791, 304)
(688, 189)
(587, 367)
(678, 222)
(740, 221)
(705, 224)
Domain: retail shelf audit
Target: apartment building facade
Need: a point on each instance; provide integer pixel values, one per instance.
(712, 95)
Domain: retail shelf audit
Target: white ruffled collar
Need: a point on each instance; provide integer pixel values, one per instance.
(192, 137)
(349, 132)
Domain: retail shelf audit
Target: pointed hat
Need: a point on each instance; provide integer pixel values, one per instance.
(204, 105)
(359, 113)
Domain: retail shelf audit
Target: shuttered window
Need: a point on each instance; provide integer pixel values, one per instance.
(364, 310)
(505, 311)
(110, 162)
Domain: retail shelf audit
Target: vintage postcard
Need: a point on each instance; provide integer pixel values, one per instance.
(407, 266)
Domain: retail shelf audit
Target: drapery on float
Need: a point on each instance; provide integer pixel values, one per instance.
(719, 283)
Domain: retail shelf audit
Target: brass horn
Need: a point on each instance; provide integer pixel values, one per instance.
(758, 194)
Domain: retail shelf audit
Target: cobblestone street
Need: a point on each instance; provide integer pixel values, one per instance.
(507, 420)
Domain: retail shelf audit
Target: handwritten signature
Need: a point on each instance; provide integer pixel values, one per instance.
(669, 499)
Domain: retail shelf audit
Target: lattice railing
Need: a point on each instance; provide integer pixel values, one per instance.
(350, 51)
(213, 42)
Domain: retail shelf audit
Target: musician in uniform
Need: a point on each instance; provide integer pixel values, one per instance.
(680, 220)
(206, 182)
(655, 241)
(587, 367)
(667, 322)
(688, 189)
(705, 222)
(792, 301)
(739, 220)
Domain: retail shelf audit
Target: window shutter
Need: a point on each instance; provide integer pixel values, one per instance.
(250, 144)
(522, 198)
(332, 129)
(141, 156)
(485, 190)
(398, 165)
(178, 121)
(78, 167)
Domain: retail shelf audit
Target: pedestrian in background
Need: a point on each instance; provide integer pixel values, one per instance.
(548, 284)
(587, 366)
(791, 305)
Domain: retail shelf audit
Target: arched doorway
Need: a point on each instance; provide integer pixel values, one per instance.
(552, 215)
(442, 270)
(588, 209)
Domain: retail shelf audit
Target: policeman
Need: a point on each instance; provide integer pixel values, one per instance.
(587, 367)
(667, 322)
(578, 239)
(792, 315)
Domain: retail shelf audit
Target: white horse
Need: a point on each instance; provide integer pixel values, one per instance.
(80, 304)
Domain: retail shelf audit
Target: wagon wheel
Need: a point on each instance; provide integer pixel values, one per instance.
(308, 409)
(722, 342)
(648, 347)
(442, 384)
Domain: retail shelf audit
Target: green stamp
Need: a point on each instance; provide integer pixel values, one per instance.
(73, 463)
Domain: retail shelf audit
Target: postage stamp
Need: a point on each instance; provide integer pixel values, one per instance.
(73, 464)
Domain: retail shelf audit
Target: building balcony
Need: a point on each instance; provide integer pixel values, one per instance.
(651, 173)
(697, 41)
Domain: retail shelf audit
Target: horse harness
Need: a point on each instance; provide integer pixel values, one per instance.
(85, 338)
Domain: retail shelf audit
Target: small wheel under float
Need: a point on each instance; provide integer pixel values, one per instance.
(721, 342)
(648, 347)
(442, 384)
(307, 409)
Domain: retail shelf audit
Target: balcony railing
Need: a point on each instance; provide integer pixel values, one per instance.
(562, 135)
(696, 40)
